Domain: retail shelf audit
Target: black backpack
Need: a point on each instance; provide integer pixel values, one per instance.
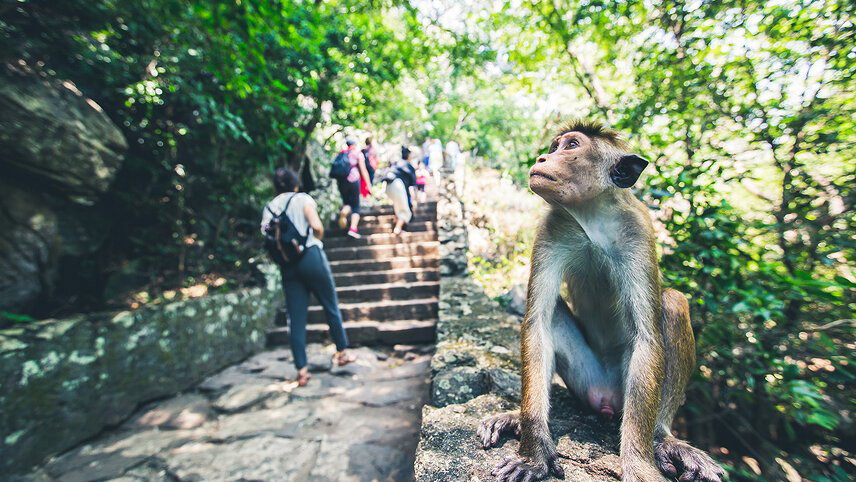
(283, 241)
(341, 166)
(369, 168)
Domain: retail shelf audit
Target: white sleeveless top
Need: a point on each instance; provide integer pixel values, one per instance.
(295, 214)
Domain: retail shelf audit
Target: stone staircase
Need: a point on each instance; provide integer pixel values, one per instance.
(388, 285)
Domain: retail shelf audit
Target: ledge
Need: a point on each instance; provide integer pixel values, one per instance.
(66, 380)
(475, 373)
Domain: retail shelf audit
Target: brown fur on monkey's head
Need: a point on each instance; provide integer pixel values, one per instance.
(584, 160)
(593, 128)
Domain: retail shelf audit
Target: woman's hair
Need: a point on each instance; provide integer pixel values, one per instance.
(285, 180)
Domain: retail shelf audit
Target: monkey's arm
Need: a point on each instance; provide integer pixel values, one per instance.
(537, 450)
(644, 370)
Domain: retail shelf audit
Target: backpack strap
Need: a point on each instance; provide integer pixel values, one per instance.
(284, 210)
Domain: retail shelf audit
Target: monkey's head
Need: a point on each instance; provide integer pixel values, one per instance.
(585, 159)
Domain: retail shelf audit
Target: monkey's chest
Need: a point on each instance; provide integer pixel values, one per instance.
(594, 300)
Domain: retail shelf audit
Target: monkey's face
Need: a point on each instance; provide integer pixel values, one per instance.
(570, 173)
(578, 168)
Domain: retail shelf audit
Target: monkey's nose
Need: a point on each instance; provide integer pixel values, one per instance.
(541, 158)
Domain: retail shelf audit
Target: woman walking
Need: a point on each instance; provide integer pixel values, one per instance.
(349, 188)
(400, 183)
(311, 273)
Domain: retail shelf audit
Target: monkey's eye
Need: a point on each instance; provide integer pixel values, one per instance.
(573, 144)
(553, 147)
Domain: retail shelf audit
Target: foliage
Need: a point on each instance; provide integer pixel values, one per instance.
(747, 112)
(211, 97)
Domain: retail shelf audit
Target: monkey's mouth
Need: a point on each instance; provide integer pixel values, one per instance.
(545, 176)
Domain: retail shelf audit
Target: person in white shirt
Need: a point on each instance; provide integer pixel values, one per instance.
(453, 152)
(310, 274)
(435, 153)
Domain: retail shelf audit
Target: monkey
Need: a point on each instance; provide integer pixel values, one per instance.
(618, 340)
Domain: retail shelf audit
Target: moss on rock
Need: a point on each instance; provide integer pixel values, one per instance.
(65, 380)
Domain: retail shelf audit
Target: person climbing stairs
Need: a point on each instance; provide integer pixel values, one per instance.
(388, 285)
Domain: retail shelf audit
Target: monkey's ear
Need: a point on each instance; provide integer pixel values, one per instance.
(626, 171)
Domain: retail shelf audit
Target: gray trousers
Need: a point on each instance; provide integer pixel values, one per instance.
(311, 274)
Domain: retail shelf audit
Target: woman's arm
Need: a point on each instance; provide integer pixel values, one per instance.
(313, 219)
(364, 173)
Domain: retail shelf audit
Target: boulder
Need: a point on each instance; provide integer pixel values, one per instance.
(50, 130)
(29, 247)
(60, 152)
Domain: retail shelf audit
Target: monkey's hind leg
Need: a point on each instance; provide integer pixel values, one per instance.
(674, 456)
(579, 368)
(491, 428)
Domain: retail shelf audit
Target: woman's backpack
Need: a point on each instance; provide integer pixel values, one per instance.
(341, 166)
(283, 241)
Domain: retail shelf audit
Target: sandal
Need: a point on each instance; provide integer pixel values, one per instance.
(303, 379)
(343, 358)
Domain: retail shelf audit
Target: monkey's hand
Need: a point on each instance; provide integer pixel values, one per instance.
(492, 427)
(676, 458)
(515, 468)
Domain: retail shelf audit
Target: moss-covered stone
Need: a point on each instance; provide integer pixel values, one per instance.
(65, 380)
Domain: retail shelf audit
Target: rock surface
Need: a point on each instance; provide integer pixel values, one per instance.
(59, 153)
(516, 299)
(451, 228)
(98, 367)
(51, 130)
(342, 427)
(475, 373)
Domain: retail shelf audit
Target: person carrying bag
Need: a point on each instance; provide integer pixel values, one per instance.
(293, 233)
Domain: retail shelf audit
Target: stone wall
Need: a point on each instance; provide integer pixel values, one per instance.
(65, 380)
(451, 228)
(475, 373)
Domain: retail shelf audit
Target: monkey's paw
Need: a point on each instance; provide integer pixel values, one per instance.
(522, 469)
(492, 427)
(678, 458)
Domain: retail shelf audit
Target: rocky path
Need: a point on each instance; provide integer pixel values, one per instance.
(251, 422)
(354, 423)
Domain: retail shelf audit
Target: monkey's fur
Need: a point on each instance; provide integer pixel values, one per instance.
(619, 341)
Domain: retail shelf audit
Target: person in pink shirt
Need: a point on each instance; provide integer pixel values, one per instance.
(349, 188)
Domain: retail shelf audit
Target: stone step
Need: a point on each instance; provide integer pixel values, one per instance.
(366, 265)
(388, 276)
(380, 219)
(387, 208)
(379, 238)
(365, 333)
(425, 248)
(388, 291)
(408, 309)
(384, 228)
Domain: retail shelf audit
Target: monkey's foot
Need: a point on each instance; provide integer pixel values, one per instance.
(522, 469)
(492, 427)
(678, 458)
